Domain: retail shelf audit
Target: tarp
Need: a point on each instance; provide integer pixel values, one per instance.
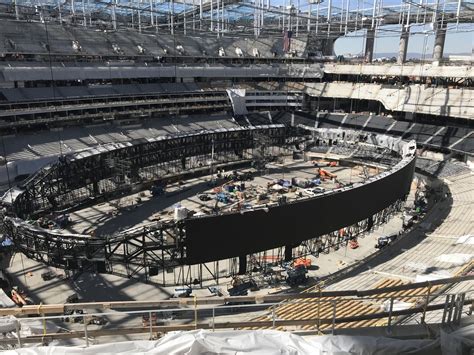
(5, 301)
(277, 187)
(397, 305)
(437, 275)
(7, 324)
(260, 342)
(461, 341)
(456, 258)
(35, 326)
(466, 239)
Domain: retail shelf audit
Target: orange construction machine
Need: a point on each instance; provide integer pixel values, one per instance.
(302, 262)
(326, 174)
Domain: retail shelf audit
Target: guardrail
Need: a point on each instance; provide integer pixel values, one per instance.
(188, 315)
(199, 301)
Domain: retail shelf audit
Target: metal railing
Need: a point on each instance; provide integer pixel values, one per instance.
(328, 313)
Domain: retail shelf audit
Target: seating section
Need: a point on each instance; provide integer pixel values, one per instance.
(34, 146)
(449, 137)
(258, 119)
(72, 92)
(307, 309)
(282, 117)
(441, 169)
(59, 39)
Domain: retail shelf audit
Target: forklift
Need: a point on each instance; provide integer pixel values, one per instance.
(296, 275)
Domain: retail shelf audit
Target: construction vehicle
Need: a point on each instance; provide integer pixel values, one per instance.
(409, 219)
(324, 174)
(302, 261)
(303, 183)
(222, 197)
(382, 242)
(20, 297)
(323, 163)
(157, 190)
(353, 244)
(296, 275)
(204, 197)
(182, 292)
(319, 190)
(215, 290)
(62, 220)
(240, 287)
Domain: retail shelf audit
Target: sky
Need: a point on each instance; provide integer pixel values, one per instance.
(458, 40)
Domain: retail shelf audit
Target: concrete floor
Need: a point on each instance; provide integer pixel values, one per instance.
(124, 213)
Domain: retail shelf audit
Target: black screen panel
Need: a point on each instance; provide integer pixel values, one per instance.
(221, 237)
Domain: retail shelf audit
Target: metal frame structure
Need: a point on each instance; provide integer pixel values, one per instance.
(93, 174)
(318, 27)
(224, 17)
(97, 174)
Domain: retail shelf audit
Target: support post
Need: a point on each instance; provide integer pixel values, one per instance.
(200, 14)
(150, 325)
(319, 308)
(328, 46)
(427, 300)
(403, 46)
(114, 19)
(218, 19)
(151, 13)
(440, 38)
(288, 252)
(17, 14)
(59, 11)
(85, 330)
(195, 313)
(297, 16)
(212, 15)
(389, 325)
(334, 305)
(452, 304)
(84, 19)
(446, 309)
(329, 17)
(139, 17)
(459, 307)
(369, 45)
(194, 16)
(184, 18)
(213, 319)
(242, 264)
(172, 21)
(309, 17)
(18, 335)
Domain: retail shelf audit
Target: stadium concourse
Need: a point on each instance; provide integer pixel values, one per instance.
(189, 177)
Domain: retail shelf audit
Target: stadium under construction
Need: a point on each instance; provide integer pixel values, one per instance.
(217, 176)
